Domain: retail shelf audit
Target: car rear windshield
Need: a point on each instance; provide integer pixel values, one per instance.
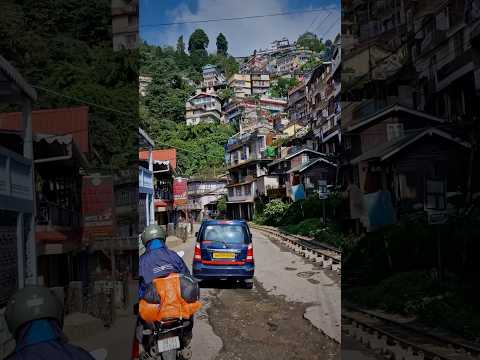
(231, 234)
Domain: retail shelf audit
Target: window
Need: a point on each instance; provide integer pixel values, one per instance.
(394, 131)
(238, 191)
(247, 190)
(230, 192)
(230, 234)
(304, 158)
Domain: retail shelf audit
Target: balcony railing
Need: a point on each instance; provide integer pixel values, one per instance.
(52, 214)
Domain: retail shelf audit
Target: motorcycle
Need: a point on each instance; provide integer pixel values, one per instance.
(168, 339)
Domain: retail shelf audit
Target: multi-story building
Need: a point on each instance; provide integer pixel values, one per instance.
(241, 85)
(124, 24)
(315, 96)
(292, 61)
(203, 107)
(203, 195)
(212, 77)
(236, 108)
(297, 104)
(246, 162)
(260, 83)
(17, 226)
(164, 168)
(60, 151)
(328, 123)
(397, 135)
(300, 167)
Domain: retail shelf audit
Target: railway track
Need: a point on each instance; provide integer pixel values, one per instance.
(401, 341)
(325, 255)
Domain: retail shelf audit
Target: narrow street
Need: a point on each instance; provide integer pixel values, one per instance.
(293, 311)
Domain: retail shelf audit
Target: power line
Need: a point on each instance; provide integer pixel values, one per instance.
(331, 26)
(233, 18)
(316, 18)
(84, 101)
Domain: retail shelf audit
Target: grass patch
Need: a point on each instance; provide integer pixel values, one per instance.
(447, 305)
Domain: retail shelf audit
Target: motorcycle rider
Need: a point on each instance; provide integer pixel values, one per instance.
(158, 261)
(34, 316)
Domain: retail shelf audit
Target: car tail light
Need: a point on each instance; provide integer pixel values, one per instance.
(198, 253)
(249, 253)
(135, 349)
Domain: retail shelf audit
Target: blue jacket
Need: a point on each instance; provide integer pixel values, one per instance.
(43, 340)
(158, 261)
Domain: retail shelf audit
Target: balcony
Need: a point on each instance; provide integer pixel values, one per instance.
(206, 191)
(241, 193)
(145, 180)
(277, 193)
(49, 214)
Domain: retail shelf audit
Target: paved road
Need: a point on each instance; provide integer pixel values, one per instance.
(293, 312)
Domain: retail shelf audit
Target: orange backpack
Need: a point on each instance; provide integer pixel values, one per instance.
(172, 304)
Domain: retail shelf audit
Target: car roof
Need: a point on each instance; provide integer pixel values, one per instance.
(225, 222)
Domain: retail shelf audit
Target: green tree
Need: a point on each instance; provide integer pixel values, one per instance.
(225, 94)
(222, 204)
(180, 45)
(311, 64)
(310, 41)
(70, 52)
(198, 41)
(281, 87)
(222, 44)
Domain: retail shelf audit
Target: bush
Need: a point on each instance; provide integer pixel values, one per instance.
(305, 227)
(329, 236)
(274, 212)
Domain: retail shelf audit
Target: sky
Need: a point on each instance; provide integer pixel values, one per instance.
(245, 35)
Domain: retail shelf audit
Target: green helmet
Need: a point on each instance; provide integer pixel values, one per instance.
(153, 232)
(32, 303)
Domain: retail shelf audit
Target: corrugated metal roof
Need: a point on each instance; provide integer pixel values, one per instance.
(62, 121)
(390, 148)
(161, 155)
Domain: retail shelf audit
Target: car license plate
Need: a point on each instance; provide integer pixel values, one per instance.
(168, 344)
(224, 255)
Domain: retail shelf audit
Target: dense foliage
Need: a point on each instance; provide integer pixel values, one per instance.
(66, 47)
(222, 44)
(282, 85)
(174, 73)
(310, 41)
(200, 148)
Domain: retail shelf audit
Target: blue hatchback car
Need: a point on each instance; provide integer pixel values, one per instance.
(224, 250)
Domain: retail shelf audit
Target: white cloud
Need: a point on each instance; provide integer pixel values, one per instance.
(246, 35)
